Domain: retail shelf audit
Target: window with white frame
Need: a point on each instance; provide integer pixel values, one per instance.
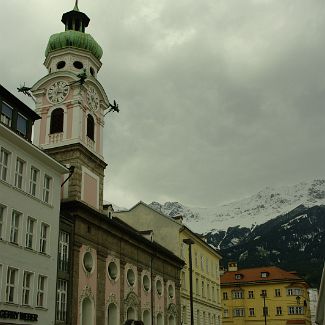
(64, 240)
(33, 181)
(251, 312)
(295, 310)
(2, 217)
(251, 294)
(6, 114)
(30, 228)
(61, 300)
(41, 291)
(237, 294)
(11, 285)
(4, 163)
(22, 124)
(225, 295)
(19, 173)
(43, 246)
(238, 312)
(225, 313)
(294, 292)
(279, 310)
(27, 281)
(277, 292)
(47, 188)
(14, 226)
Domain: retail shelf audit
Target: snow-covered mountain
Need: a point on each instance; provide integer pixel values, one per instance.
(248, 212)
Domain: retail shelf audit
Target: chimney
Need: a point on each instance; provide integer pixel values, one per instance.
(108, 210)
(232, 266)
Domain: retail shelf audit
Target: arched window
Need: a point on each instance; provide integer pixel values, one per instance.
(130, 313)
(87, 316)
(57, 117)
(160, 320)
(112, 314)
(171, 320)
(90, 127)
(146, 317)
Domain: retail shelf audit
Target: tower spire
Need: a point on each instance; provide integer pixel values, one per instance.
(76, 6)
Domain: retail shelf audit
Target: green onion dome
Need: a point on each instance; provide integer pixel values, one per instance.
(76, 39)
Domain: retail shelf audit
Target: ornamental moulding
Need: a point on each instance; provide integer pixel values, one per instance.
(86, 293)
(131, 300)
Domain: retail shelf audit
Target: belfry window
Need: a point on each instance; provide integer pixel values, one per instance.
(90, 127)
(57, 121)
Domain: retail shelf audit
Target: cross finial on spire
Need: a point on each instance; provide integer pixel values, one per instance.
(76, 6)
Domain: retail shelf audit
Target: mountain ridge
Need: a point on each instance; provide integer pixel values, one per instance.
(250, 211)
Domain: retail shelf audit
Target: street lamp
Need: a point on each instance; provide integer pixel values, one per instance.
(263, 295)
(190, 242)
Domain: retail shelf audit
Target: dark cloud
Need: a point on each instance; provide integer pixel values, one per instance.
(218, 98)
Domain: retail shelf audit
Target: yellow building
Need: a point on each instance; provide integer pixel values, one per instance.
(171, 233)
(205, 280)
(264, 295)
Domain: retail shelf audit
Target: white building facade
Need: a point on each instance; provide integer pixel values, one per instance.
(30, 189)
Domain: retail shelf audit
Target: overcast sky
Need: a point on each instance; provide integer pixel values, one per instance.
(218, 98)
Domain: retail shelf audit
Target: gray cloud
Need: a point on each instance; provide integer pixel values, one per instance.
(218, 98)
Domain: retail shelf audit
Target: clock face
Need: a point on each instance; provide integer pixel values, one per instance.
(58, 92)
(92, 98)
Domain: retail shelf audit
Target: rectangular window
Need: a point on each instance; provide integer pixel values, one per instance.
(250, 294)
(41, 285)
(239, 312)
(21, 124)
(4, 162)
(196, 261)
(11, 284)
(208, 291)
(202, 263)
(213, 294)
(27, 281)
(263, 293)
(2, 217)
(197, 286)
(61, 300)
(30, 233)
(14, 227)
(225, 295)
(6, 114)
(295, 310)
(238, 294)
(44, 238)
(19, 171)
(225, 313)
(64, 240)
(294, 292)
(33, 181)
(251, 312)
(47, 188)
(277, 292)
(207, 265)
(203, 295)
(279, 310)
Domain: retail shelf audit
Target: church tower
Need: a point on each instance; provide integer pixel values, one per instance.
(72, 103)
